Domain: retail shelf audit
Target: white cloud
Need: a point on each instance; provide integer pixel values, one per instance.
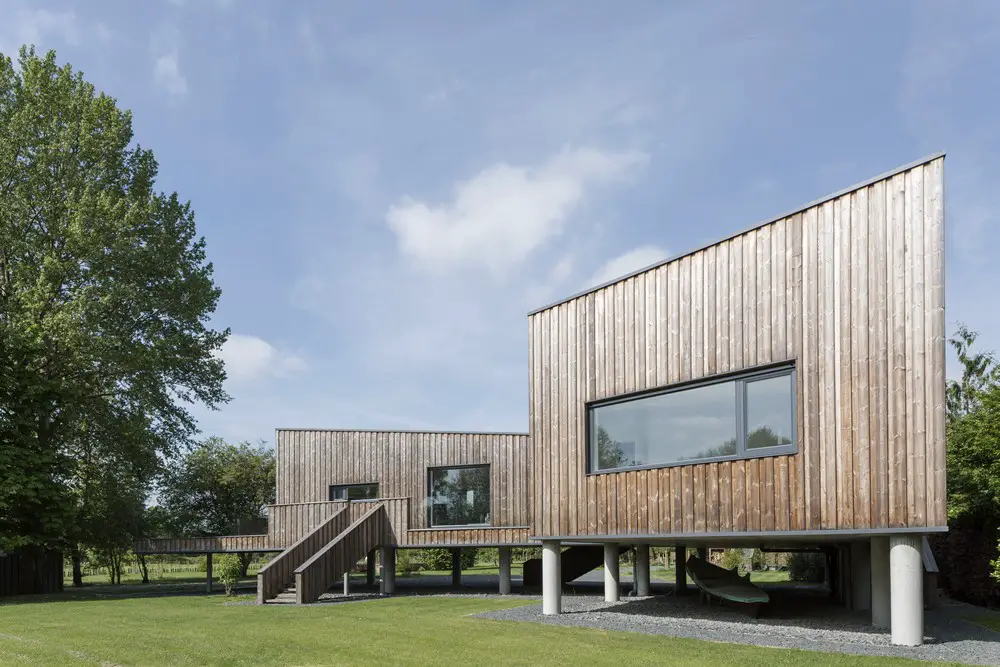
(42, 28)
(167, 74)
(250, 358)
(503, 213)
(624, 264)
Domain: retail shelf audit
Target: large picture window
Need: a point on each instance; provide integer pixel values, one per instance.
(742, 416)
(459, 496)
(354, 491)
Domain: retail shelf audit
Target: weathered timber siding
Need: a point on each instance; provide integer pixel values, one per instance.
(214, 544)
(289, 522)
(309, 461)
(850, 289)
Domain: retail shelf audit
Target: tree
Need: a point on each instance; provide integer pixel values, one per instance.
(105, 294)
(974, 459)
(979, 371)
(609, 451)
(216, 486)
(973, 432)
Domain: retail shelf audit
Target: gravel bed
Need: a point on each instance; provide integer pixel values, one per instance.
(821, 628)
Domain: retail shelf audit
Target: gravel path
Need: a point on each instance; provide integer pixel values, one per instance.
(825, 629)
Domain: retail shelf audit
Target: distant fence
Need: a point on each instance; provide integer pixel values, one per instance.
(31, 571)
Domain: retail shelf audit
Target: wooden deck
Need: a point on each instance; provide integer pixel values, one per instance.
(290, 522)
(203, 545)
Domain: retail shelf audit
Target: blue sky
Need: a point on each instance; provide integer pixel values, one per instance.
(387, 188)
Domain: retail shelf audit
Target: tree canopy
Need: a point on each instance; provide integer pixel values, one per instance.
(973, 432)
(105, 300)
(216, 486)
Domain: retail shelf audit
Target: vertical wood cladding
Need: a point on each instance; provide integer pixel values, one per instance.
(309, 461)
(851, 289)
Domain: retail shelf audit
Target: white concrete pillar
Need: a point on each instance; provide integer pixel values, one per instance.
(612, 582)
(906, 572)
(504, 553)
(881, 601)
(388, 558)
(347, 583)
(641, 573)
(551, 578)
(861, 576)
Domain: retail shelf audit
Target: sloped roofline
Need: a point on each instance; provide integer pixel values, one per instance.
(817, 202)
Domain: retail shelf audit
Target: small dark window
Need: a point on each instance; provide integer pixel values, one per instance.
(459, 496)
(354, 491)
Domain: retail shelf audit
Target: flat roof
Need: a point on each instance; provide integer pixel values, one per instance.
(816, 202)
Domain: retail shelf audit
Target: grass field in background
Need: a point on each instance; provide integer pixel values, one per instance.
(201, 630)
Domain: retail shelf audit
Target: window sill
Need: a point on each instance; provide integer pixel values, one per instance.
(762, 453)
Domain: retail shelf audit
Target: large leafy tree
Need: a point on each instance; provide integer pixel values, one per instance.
(105, 296)
(973, 432)
(216, 486)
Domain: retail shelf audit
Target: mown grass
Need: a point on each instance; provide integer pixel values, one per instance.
(400, 631)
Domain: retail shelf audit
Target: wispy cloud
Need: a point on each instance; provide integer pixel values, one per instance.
(502, 214)
(626, 263)
(249, 359)
(42, 28)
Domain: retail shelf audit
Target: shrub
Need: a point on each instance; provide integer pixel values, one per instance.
(807, 567)
(230, 569)
(732, 558)
(440, 559)
(407, 563)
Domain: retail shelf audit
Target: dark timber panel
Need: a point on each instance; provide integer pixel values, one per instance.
(309, 461)
(851, 289)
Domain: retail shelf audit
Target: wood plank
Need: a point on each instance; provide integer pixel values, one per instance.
(897, 338)
(860, 360)
(916, 363)
(935, 332)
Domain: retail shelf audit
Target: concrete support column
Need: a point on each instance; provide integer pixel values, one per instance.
(347, 583)
(370, 568)
(680, 570)
(881, 601)
(388, 570)
(504, 553)
(861, 576)
(612, 582)
(208, 573)
(641, 573)
(906, 574)
(456, 567)
(551, 579)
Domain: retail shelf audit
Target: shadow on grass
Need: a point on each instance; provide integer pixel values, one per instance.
(128, 591)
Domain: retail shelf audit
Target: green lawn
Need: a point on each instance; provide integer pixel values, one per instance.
(200, 630)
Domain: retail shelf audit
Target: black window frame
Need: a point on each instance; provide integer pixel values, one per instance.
(333, 487)
(742, 378)
(430, 504)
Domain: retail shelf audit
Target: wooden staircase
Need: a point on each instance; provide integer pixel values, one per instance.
(287, 596)
(310, 567)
